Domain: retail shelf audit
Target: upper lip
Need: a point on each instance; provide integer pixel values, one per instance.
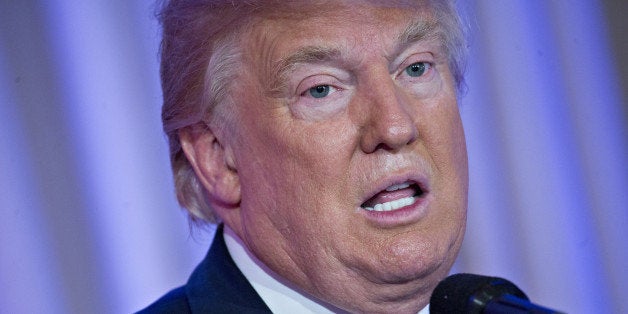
(412, 178)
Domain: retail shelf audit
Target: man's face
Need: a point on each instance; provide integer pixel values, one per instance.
(350, 154)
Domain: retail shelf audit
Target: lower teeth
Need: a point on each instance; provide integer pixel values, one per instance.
(392, 205)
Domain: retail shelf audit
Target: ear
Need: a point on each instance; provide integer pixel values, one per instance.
(213, 164)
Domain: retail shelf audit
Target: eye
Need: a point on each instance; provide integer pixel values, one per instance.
(417, 69)
(319, 91)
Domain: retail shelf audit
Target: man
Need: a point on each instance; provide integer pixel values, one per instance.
(325, 140)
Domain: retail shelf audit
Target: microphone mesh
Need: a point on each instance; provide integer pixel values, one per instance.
(461, 293)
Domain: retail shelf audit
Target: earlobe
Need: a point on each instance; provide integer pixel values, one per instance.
(213, 163)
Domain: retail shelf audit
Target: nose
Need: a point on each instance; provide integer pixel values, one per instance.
(389, 122)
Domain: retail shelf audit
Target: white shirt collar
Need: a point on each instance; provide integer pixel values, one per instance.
(278, 296)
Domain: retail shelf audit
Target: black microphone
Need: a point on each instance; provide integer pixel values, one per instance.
(475, 294)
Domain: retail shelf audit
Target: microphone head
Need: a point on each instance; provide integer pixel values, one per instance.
(468, 293)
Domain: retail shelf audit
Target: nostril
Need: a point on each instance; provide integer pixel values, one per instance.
(393, 132)
(389, 124)
(382, 146)
(390, 145)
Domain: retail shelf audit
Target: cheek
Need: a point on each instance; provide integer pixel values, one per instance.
(292, 160)
(457, 146)
(458, 180)
(318, 160)
(445, 142)
(444, 137)
(460, 154)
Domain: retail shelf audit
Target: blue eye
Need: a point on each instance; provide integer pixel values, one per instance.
(417, 69)
(319, 91)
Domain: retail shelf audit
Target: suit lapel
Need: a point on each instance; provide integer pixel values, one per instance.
(218, 286)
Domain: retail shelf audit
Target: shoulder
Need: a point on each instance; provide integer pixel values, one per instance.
(175, 301)
(215, 286)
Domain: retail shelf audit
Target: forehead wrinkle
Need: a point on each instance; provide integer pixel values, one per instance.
(304, 55)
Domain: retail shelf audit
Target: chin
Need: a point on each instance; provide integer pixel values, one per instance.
(417, 260)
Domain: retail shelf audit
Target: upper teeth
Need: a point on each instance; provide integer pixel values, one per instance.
(397, 187)
(392, 205)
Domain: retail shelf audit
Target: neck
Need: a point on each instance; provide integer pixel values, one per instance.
(350, 292)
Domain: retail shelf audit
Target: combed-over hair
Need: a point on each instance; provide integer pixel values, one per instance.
(199, 52)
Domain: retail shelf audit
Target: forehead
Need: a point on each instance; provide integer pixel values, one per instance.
(300, 19)
(341, 25)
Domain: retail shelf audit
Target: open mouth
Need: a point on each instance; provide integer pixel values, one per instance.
(394, 197)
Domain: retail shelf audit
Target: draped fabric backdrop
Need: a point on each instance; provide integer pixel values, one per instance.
(88, 218)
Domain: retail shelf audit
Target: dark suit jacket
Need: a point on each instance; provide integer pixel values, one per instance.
(215, 286)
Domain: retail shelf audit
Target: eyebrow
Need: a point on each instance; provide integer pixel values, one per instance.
(416, 31)
(307, 54)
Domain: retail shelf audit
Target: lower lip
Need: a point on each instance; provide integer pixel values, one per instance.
(400, 217)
